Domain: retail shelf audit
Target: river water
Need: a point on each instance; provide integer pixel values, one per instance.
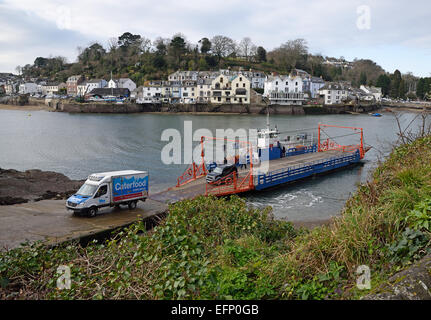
(79, 144)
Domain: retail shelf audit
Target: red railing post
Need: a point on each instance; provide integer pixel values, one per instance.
(318, 138)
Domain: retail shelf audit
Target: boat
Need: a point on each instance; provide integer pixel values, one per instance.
(376, 114)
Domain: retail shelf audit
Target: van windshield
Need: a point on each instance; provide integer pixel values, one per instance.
(87, 190)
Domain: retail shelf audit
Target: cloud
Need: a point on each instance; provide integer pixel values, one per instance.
(328, 25)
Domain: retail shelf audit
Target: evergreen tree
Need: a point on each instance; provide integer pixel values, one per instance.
(363, 79)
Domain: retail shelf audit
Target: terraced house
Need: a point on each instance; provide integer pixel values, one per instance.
(284, 89)
(235, 90)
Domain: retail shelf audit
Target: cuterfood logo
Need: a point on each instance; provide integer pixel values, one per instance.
(142, 183)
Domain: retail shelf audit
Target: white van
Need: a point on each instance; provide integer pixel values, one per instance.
(108, 189)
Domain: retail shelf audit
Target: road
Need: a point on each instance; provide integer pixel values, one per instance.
(48, 220)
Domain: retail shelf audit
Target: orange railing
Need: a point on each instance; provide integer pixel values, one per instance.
(193, 172)
(229, 185)
(329, 144)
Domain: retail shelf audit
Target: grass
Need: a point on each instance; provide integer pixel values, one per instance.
(211, 248)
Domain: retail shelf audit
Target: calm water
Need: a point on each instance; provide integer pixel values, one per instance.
(79, 144)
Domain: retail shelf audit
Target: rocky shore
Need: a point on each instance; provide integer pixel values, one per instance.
(34, 185)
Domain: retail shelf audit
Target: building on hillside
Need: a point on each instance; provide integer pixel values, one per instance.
(151, 92)
(284, 90)
(183, 76)
(221, 89)
(374, 91)
(81, 89)
(11, 88)
(241, 87)
(334, 93)
(188, 92)
(28, 88)
(234, 90)
(52, 87)
(203, 90)
(72, 84)
(124, 83)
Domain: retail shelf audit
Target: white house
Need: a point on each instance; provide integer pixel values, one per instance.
(374, 91)
(125, 83)
(28, 87)
(52, 87)
(284, 90)
(151, 92)
(334, 93)
(203, 90)
(188, 92)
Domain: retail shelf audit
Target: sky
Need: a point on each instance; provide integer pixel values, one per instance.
(396, 34)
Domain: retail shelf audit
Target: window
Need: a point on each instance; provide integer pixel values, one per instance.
(276, 83)
(237, 85)
(102, 191)
(221, 80)
(243, 85)
(240, 78)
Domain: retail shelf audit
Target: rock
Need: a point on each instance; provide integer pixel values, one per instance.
(413, 283)
(34, 185)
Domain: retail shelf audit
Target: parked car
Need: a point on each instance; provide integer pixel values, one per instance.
(216, 176)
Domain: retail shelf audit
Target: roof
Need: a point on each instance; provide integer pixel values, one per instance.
(110, 91)
(95, 80)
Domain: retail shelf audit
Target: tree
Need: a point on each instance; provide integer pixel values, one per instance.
(290, 54)
(18, 70)
(261, 54)
(384, 82)
(222, 46)
(177, 48)
(161, 46)
(127, 40)
(395, 84)
(363, 79)
(246, 47)
(205, 45)
(420, 88)
(40, 62)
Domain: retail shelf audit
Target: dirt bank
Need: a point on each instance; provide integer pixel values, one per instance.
(34, 185)
(24, 108)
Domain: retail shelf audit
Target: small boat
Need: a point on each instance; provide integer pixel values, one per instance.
(376, 114)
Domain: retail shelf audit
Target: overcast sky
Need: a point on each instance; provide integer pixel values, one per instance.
(395, 34)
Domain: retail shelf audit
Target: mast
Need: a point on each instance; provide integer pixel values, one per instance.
(267, 118)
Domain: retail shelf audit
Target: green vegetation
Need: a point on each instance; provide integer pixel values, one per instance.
(211, 248)
(141, 59)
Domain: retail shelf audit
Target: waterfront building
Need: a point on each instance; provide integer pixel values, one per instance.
(28, 88)
(123, 83)
(72, 84)
(204, 90)
(284, 89)
(235, 90)
(188, 92)
(335, 93)
(151, 92)
(52, 87)
(375, 92)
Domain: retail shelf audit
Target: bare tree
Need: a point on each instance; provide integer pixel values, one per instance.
(112, 44)
(246, 47)
(145, 45)
(290, 53)
(18, 69)
(222, 46)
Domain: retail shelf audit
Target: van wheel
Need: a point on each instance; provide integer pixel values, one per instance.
(92, 212)
(132, 205)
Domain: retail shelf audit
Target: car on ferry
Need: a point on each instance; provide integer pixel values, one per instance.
(217, 175)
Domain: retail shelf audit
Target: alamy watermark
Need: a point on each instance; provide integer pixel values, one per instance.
(64, 280)
(363, 21)
(363, 282)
